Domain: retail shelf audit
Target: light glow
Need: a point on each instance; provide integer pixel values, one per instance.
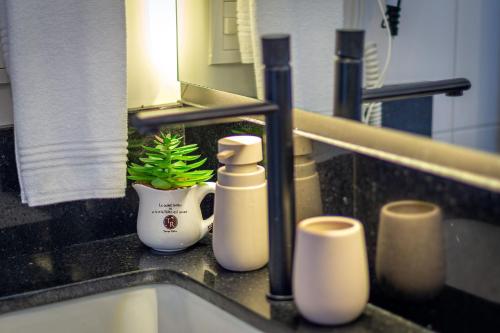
(152, 53)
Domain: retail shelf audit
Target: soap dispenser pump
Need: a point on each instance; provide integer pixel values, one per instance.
(240, 231)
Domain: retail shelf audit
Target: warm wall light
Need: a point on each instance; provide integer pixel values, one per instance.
(151, 53)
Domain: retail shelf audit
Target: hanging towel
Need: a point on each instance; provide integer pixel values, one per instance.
(312, 26)
(67, 62)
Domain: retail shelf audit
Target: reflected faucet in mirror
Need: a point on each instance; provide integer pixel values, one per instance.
(349, 93)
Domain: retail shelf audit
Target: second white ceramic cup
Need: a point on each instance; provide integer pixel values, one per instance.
(330, 272)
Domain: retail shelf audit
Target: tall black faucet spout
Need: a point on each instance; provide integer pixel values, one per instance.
(281, 188)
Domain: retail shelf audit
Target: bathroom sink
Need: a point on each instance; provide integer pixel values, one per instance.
(145, 309)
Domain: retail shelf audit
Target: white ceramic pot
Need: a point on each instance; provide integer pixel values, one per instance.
(410, 259)
(171, 220)
(330, 270)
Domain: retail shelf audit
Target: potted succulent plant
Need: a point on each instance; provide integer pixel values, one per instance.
(170, 192)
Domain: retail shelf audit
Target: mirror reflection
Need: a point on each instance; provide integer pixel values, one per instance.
(404, 42)
(430, 240)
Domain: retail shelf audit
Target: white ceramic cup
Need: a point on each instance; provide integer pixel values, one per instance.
(410, 260)
(330, 271)
(171, 220)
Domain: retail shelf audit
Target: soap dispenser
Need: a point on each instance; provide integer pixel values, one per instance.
(307, 188)
(240, 230)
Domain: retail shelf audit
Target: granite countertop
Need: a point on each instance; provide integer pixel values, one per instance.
(90, 268)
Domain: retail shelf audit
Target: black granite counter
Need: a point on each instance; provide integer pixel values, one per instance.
(94, 267)
(40, 263)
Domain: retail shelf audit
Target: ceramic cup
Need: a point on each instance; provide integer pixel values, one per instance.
(171, 220)
(410, 259)
(330, 272)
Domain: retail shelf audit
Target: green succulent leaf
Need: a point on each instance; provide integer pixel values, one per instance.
(150, 159)
(158, 156)
(141, 178)
(185, 158)
(179, 164)
(196, 164)
(194, 145)
(161, 184)
(151, 149)
(179, 151)
(186, 183)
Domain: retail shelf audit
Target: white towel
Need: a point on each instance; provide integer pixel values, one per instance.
(312, 26)
(67, 62)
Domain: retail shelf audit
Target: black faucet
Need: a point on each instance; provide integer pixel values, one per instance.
(349, 92)
(279, 146)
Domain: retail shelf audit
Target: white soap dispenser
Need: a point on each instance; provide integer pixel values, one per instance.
(240, 231)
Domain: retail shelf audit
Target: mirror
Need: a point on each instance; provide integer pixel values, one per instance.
(361, 168)
(434, 41)
(460, 292)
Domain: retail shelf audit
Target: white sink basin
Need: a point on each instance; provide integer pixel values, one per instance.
(145, 309)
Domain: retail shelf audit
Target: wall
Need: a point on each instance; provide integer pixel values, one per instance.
(193, 45)
(445, 39)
